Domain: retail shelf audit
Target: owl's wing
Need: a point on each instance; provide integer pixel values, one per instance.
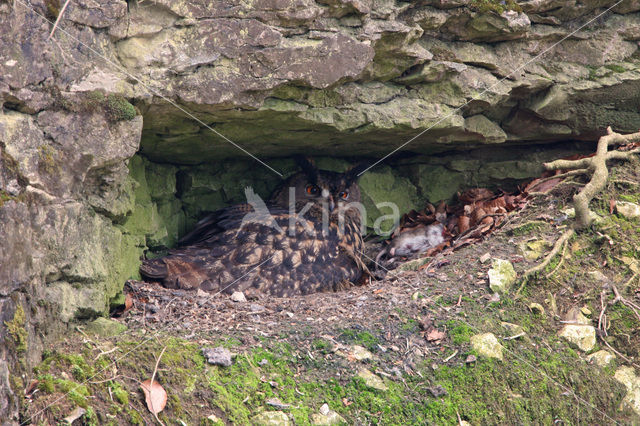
(209, 227)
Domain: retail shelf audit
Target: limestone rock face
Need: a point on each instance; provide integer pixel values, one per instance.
(335, 78)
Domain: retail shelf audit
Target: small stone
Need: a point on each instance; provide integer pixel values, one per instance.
(254, 307)
(415, 295)
(585, 310)
(627, 376)
(487, 345)
(213, 418)
(571, 213)
(601, 358)
(263, 361)
(534, 250)
(360, 353)
(275, 418)
(536, 308)
(632, 400)
(217, 356)
(575, 315)
(75, 415)
(583, 336)
(627, 209)
(371, 379)
(485, 257)
(514, 329)
(324, 410)
(502, 276)
(471, 359)
(597, 276)
(327, 416)
(202, 293)
(105, 327)
(275, 402)
(238, 296)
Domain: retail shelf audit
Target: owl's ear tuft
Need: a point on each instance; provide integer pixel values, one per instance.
(308, 166)
(353, 173)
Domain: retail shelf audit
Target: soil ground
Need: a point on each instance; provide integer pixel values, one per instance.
(294, 355)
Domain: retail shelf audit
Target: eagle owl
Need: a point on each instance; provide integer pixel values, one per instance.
(306, 238)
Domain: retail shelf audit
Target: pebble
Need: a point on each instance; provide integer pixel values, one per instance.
(218, 356)
(238, 296)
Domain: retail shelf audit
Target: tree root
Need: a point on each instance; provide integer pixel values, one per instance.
(603, 323)
(597, 167)
(548, 258)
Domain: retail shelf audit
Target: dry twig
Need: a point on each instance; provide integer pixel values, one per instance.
(55, 25)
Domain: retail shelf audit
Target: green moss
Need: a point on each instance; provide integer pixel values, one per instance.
(16, 329)
(615, 68)
(4, 197)
(16, 383)
(593, 73)
(528, 228)
(52, 9)
(497, 6)
(363, 338)
(75, 392)
(47, 160)
(118, 108)
(120, 394)
(485, 392)
(90, 417)
(460, 332)
(46, 383)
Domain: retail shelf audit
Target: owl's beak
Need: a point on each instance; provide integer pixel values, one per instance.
(332, 204)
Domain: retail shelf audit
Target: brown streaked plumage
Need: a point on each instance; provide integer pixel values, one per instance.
(274, 254)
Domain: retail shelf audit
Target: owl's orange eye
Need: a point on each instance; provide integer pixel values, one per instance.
(344, 195)
(312, 189)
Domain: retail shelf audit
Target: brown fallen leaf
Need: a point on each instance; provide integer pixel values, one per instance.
(541, 185)
(346, 402)
(612, 205)
(463, 224)
(435, 335)
(75, 415)
(155, 396)
(32, 386)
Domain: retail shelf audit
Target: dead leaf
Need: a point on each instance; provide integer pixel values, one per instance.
(612, 205)
(538, 185)
(155, 396)
(128, 302)
(75, 415)
(32, 386)
(426, 324)
(435, 335)
(463, 224)
(346, 402)
(475, 194)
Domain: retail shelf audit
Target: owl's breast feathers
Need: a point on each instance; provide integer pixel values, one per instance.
(271, 253)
